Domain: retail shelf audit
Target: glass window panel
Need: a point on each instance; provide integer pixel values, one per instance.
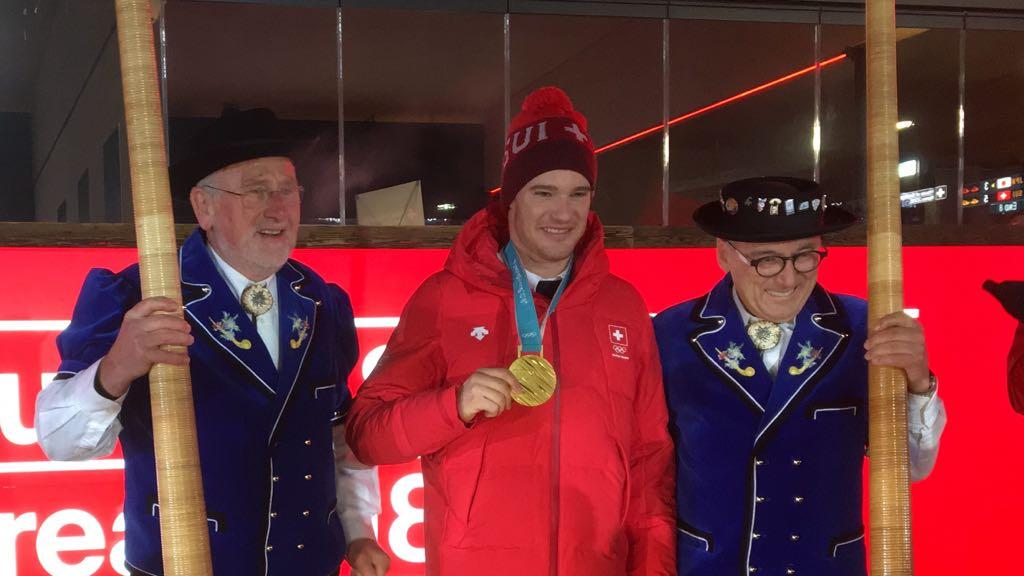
(611, 69)
(742, 104)
(424, 102)
(994, 127)
(222, 54)
(841, 161)
(60, 99)
(928, 64)
(927, 68)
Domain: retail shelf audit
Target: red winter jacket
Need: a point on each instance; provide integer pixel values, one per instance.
(583, 484)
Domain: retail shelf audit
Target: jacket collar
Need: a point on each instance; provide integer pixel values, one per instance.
(297, 325)
(211, 304)
(722, 339)
(818, 335)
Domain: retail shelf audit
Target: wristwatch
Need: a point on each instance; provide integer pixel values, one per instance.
(933, 384)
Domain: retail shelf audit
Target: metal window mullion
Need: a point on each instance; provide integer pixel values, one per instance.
(960, 119)
(665, 113)
(507, 64)
(341, 120)
(162, 39)
(816, 137)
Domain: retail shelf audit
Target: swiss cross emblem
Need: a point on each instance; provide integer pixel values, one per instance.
(618, 335)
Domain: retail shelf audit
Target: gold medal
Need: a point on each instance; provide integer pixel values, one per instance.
(536, 376)
(256, 299)
(764, 334)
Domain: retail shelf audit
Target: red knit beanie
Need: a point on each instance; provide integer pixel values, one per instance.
(548, 134)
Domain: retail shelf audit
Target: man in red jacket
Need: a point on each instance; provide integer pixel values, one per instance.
(566, 467)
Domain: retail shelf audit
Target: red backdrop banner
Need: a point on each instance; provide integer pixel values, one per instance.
(65, 518)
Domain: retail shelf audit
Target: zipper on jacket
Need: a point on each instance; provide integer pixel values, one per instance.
(556, 442)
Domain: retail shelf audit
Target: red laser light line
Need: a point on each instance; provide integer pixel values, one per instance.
(712, 106)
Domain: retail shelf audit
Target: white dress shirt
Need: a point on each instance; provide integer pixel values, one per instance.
(73, 422)
(534, 279)
(926, 415)
(266, 323)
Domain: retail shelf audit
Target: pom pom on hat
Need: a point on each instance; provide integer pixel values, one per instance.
(546, 102)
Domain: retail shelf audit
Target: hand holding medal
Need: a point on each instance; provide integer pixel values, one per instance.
(488, 390)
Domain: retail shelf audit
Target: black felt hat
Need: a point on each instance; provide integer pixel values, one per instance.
(771, 209)
(237, 136)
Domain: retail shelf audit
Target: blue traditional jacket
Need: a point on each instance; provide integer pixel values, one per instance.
(265, 433)
(769, 470)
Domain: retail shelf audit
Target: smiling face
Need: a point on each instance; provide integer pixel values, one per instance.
(255, 240)
(779, 298)
(547, 218)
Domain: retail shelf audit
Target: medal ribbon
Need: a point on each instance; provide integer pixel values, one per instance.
(531, 332)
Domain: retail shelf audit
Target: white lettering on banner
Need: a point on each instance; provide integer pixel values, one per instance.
(33, 325)
(376, 321)
(10, 409)
(60, 325)
(10, 527)
(10, 413)
(72, 541)
(407, 517)
(371, 359)
(117, 550)
(13, 429)
(49, 543)
(48, 466)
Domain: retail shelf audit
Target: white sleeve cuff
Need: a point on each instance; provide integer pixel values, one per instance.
(923, 412)
(356, 526)
(926, 419)
(73, 422)
(358, 490)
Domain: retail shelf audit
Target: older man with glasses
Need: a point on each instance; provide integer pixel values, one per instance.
(270, 346)
(766, 383)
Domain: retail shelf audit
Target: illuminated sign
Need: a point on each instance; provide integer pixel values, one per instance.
(65, 518)
(908, 168)
(994, 193)
(915, 197)
(1007, 207)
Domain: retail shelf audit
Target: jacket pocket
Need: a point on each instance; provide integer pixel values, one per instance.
(627, 488)
(325, 402)
(842, 410)
(214, 521)
(849, 545)
(837, 411)
(327, 391)
(692, 537)
(461, 480)
(332, 511)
